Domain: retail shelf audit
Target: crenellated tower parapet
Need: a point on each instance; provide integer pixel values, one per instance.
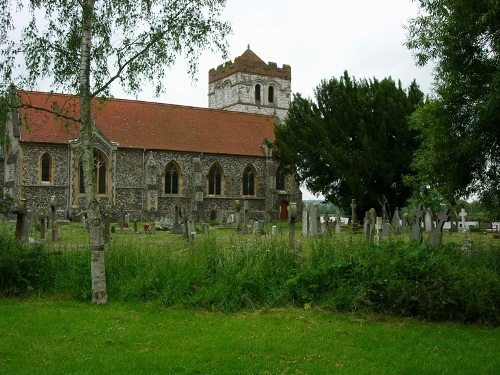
(250, 85)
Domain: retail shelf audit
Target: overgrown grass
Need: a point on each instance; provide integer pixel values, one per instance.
(228, 272)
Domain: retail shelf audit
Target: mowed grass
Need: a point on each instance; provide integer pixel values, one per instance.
(68, 337)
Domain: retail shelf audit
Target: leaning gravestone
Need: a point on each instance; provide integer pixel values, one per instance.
(436, 235)
(370, 225)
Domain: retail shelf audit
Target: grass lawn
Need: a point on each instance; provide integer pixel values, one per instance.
(67, 337)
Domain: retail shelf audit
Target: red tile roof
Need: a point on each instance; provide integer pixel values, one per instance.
(157, 126)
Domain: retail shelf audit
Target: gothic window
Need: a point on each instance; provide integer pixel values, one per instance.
(280, 180)
(215, 180)
(172, 178)
(257, 92)
(101, 174)
(270, 94)
(249, 180)
(46, 168)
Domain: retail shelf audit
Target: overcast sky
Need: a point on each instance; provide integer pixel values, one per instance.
(318, 38)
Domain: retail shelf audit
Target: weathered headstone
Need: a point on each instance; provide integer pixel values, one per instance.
(338, 228)
(454, 221)
(416, 229)
(436, 235)
(245, 218)
(126, 223)
(396, 222)
(22, 212)
(255, 227)
(428, 223)
(237, 206)
(177, 227)
(291, 233)
(305, 220)
(230, 219)
(313, 220)
(463, 214)
(468, 246)
(371, 219)
(354, 225)
(53, 217)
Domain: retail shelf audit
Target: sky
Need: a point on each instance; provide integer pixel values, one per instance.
(319, 39)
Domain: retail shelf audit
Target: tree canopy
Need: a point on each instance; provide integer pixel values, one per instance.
(460, 129)
(353, 141)
(84, 46)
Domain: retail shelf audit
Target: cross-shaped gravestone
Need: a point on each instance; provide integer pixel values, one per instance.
(463, 214)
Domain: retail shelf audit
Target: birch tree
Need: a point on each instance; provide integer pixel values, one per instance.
(84, 47)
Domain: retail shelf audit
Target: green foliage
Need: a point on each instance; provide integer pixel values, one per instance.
(353, 141)
(460, 151)
(7, 204)
(342, 274)
(132, 41)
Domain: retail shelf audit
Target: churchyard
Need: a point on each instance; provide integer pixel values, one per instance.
(315, 296)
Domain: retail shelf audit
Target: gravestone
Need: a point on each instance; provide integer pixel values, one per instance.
(396, 222)
(274, 231)
(291, 229)
(428, 224)
(305, 220)
(416, 229)
(468, 246)
(338, 228)
(230, 219)
(313, 220)
(354, 225)
(53, 218)
(237, 206)
(463, 214)
(245, 218)
(386, 229)
(22, 213)
(126, 222)
(327, 232)
(177, 227)
(43, 227)
(454, 221)
(255, 227)
(436, 235)
(370, 222)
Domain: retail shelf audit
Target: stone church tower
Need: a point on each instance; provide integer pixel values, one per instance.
(250, 85)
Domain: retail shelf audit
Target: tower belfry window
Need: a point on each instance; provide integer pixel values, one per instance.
(270, 94)
(257, 92)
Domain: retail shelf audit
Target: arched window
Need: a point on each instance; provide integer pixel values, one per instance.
(270, 94)
(101, 174)
(257, 92)
(46, 168)
(280, 179)
(215, 180)
(249, 180)
(172, 178)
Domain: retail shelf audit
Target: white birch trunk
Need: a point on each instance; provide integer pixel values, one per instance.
(96, 227)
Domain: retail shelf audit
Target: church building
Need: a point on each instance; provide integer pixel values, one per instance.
(151, 157)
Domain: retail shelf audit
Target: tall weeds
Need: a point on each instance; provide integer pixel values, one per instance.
(435, 283)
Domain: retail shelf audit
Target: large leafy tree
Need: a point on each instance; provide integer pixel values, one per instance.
(84, 46)
(353, 141)
(460, 126)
